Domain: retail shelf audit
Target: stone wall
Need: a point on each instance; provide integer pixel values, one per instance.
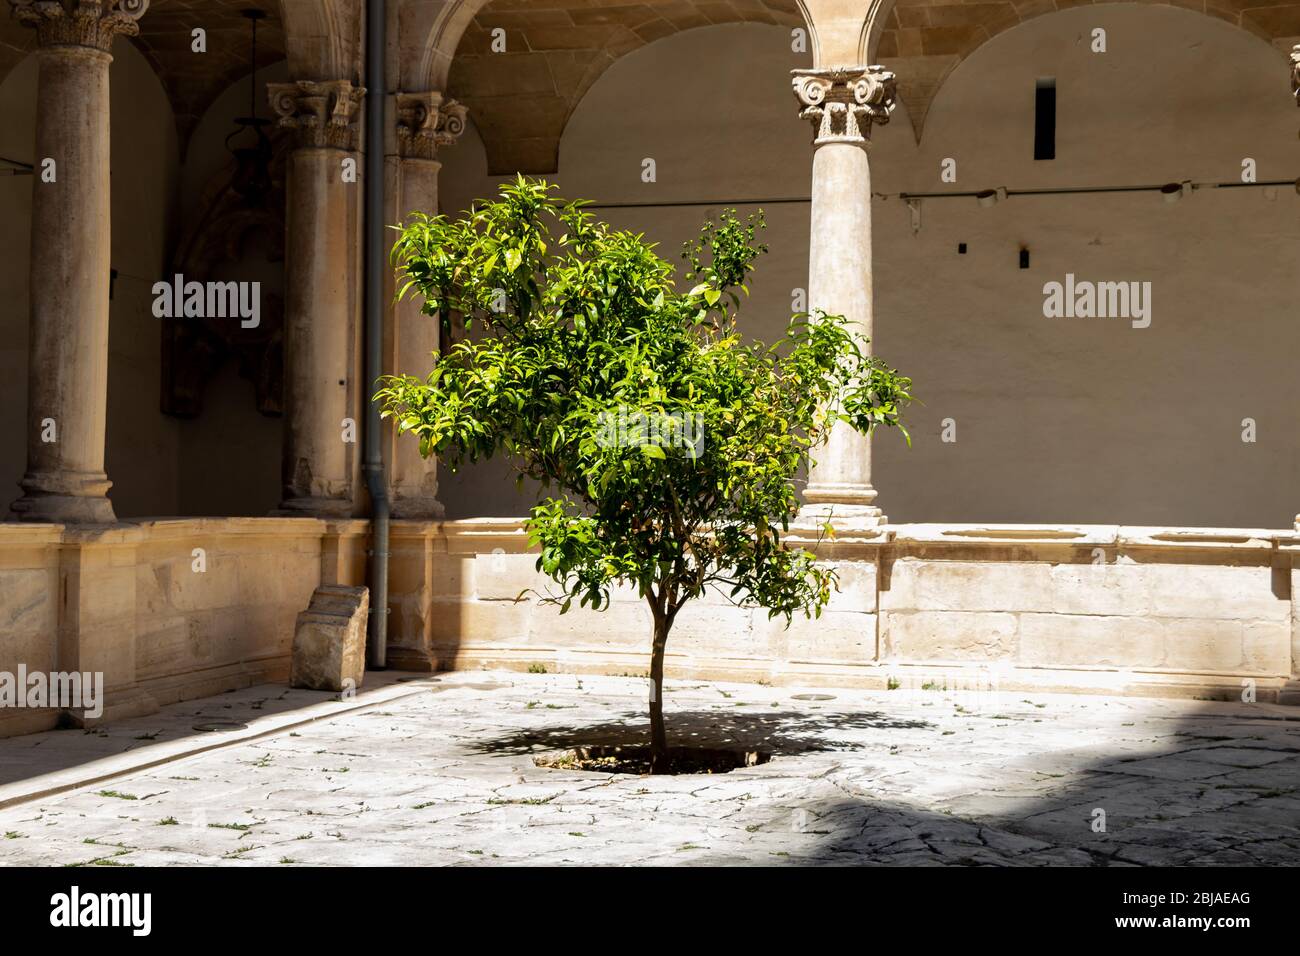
(167, 610)
(1048, 608)
(1147, 605)
(1124, 610)
(29, 624)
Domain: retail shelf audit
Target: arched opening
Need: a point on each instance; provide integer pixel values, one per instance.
(141, 445)
(665, 138)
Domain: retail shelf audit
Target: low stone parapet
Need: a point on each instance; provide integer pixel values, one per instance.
(174, 609)
(1179, 611)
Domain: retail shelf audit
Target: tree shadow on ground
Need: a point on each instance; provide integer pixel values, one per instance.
(782, 733)
(1223, 788)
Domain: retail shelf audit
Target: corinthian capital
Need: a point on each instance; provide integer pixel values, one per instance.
(1295, 73)
(842, 102)
(320, 113)
(83, 23)
(425, 121)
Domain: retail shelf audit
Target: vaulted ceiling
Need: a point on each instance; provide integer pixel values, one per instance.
(555, 50)
(192, 80)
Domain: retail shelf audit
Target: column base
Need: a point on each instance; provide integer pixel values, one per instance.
(420, 659)
(847, 504)
(64, 498)
(841, 515)
(314, 508)
(417, 509)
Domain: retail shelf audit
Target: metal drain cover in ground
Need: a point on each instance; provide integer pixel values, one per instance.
(812, 696)
(217, 726)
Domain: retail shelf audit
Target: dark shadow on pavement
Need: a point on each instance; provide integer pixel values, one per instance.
(778, 733)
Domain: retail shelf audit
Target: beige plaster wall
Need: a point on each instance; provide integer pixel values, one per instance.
(1091, 420)
(141, 444)
(1085, 420)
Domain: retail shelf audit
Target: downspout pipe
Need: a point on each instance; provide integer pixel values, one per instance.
(375, 263)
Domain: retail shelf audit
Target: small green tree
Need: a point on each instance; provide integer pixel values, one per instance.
(673, 442)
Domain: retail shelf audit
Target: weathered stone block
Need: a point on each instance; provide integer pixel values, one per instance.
(857, 587)
(1266, 649)
(503, 577)
(1099, 589)
(329, 641)
(26, 601)
(713, 630)
(274, 577)
(968, 586)
(947, 636)
(622, 626)
(190, 590)
(836, 636)
(1197, 644)
(471, 623)
(1240, 593)
(1073, 640)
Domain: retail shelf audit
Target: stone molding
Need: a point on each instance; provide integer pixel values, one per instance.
(321, 114)
(80, 23)
(842, 102)
(426, 122)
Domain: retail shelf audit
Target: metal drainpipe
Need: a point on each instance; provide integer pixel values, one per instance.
(373, 465)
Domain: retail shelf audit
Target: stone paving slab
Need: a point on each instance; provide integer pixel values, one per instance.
(439, 771)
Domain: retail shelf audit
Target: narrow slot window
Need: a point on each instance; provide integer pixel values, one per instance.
(1045, 119)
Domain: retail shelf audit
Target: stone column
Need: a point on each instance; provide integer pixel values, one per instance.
(425, 122)
(1289, 693)
(1295, 91)
(320, 305)
(67, 375)
(842, 103)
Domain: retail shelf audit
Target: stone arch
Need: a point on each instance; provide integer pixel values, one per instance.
(16, 41)
(937, 37)
(845, 32)
(193, 82)
(521, 104)
(322, 38)
(429, 33)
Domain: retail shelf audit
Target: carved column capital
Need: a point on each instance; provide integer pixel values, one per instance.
(843, 102)
(425, 122)
(319, 113)
(1295, 73)
(80, 23)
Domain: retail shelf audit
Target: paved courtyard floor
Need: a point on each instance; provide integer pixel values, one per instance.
(440, 771)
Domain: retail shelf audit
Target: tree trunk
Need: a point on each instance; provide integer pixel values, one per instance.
(658, 736)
